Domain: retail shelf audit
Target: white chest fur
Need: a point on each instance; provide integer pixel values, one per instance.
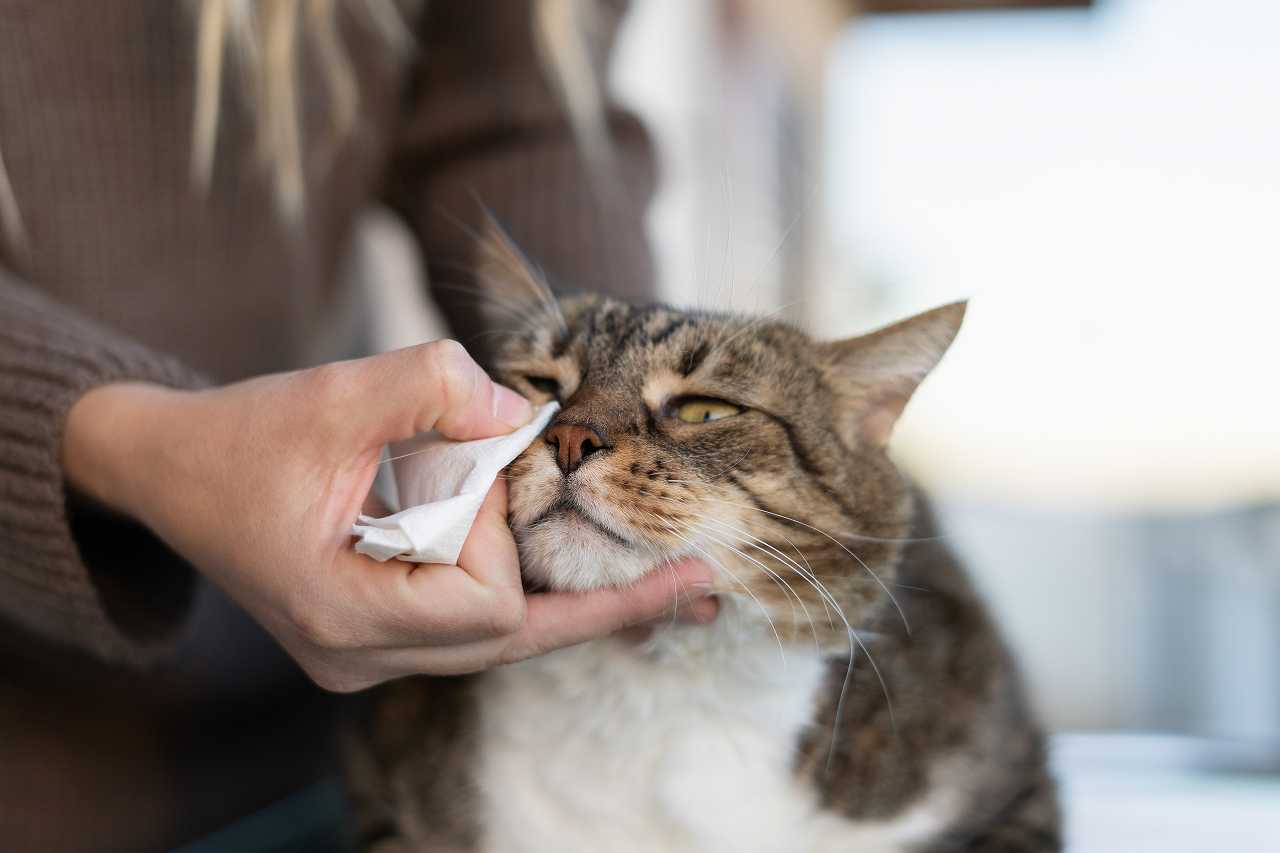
(683, 744)
(686, 743)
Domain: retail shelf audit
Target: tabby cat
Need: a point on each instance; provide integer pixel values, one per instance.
(853, 693)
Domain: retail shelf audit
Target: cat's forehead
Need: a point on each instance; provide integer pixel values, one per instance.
(617, 339)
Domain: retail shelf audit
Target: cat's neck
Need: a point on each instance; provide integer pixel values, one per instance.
(740, 645)
(735, 665)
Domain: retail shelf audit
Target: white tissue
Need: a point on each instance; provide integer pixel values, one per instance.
(441, 484)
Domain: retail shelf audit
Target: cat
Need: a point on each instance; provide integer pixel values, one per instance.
(853, 693)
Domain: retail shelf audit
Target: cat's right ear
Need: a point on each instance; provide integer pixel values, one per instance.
(878, 372)
(513, 290)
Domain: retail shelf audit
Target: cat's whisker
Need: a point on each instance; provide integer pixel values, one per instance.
(755, 323)
(853, 639)
(679, 584)
(808, 575)
(402, 456)
(826, 594)
(515, 309)
(659, 559)
(809, 567)
(735, 464)
(424, 450)
(773, 576)
(906, 540)
(884, 687)
(801, 210)
(813, 629)
(852, 636)
(759, 544)
(763, 610)
(913, 587)
(842, 546)
(778, 582)
(519, 266)
(499, 335)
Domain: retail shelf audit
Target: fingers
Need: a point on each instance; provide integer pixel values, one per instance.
(428, 604)
(435, 386)
(480, 598)
(556, 620)
(489, 554)
(469, 636)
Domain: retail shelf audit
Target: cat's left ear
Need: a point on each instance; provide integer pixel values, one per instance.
(879, 371)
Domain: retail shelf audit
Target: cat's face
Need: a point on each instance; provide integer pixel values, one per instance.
(739, 441)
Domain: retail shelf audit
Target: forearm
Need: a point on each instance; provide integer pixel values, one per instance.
(108, 447)
(50, 583)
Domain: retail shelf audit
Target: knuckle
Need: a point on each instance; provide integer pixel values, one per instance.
(326, 397)
(454, 371)
(317, 628)
(515, 652)
(335, 680)
(508, 613)
(328, 381)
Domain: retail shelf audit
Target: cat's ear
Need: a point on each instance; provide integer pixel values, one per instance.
(512, 288)
(879, 371)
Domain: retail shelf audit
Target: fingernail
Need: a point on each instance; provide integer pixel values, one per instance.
(696, 577)
(509, 407)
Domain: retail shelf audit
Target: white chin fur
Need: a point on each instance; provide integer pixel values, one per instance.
(568, 553)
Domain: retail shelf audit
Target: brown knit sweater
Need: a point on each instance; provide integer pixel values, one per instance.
(127, 272)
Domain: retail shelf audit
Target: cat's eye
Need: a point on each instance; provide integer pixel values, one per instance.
(545, 384)
(699, 410)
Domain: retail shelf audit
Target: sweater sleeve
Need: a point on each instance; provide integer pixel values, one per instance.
(484, 128)
(69, 571)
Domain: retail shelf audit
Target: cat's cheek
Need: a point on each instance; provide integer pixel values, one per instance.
(531, 490)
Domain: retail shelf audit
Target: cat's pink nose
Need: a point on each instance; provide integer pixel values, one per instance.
(573, 444)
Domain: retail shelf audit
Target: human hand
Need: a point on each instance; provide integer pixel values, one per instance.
(257, 484)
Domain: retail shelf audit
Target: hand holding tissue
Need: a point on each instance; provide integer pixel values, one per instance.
(441, 484)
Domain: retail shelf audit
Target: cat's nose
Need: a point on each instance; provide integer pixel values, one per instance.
(573, 443)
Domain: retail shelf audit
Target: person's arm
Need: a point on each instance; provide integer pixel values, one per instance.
(257, 483)
(484, 126)
(122, 602)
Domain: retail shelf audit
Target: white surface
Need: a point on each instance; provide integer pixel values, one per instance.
(441, 484)
(1131, 794)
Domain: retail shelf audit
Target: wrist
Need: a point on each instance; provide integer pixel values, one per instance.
(108, 450)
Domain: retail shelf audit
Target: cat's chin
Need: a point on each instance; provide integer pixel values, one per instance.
(570, 552)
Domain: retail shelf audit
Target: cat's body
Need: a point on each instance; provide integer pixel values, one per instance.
(752, 447)
(708, 739)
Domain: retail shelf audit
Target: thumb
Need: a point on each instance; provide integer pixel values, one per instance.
(435, 386)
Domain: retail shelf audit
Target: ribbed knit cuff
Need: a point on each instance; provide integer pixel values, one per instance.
(123, 595)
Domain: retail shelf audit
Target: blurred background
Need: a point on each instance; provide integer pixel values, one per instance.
(1101, 180)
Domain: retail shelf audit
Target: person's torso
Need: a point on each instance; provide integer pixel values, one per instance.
(96, 110)
(96, 135)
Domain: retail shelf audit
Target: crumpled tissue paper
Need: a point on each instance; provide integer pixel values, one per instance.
(441, 483)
